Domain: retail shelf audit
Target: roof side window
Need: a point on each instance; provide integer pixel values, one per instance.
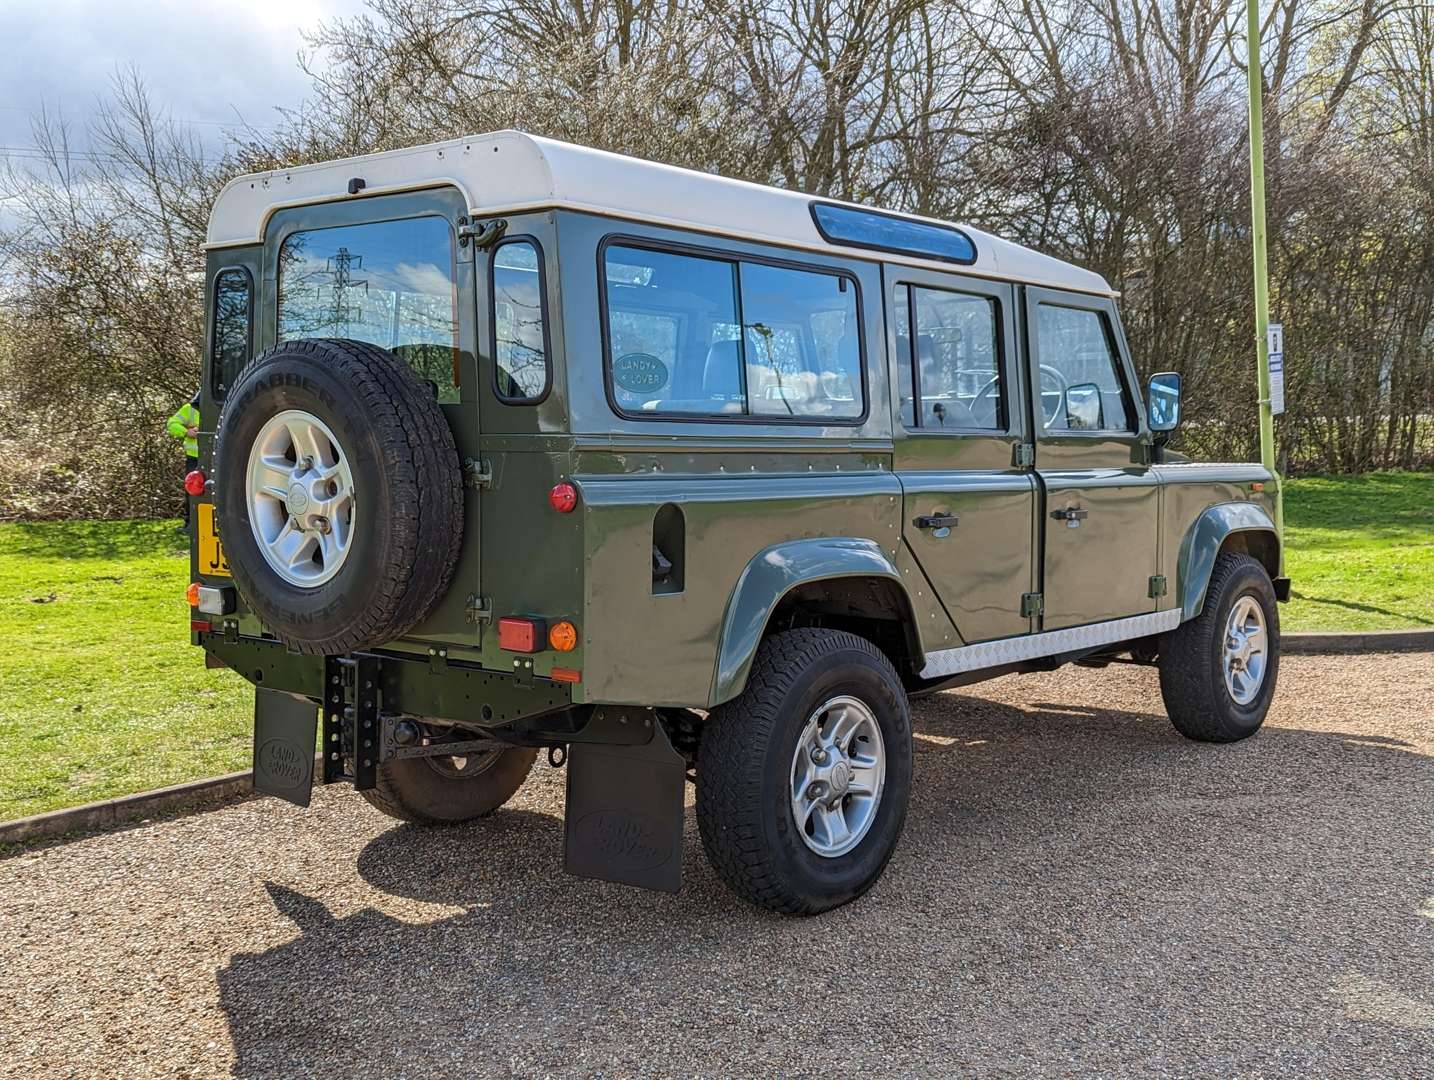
(520, 322)
(390, 283)
(232, 327)
(701, 335)
(856, 227)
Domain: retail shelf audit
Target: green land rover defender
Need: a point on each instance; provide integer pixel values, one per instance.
(515, 445)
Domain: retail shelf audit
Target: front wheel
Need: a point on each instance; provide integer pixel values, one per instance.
(803, 779)
(1217, 671)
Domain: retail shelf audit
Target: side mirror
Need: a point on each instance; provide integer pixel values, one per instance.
(1163, 402)
(1083, 408)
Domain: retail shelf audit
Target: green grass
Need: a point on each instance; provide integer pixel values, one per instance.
(101, 693)
(1360, 552)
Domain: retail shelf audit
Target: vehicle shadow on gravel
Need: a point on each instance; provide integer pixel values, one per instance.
(1071, 881)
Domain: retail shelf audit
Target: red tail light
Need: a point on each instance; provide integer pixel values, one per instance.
(520, 635)
(194, 482)
(563, 497)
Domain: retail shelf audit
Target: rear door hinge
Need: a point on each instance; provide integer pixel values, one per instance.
(479, 609)
(1157, 585)
(1032, 604)
(477, 473)
(1024, 456)
(480, 234)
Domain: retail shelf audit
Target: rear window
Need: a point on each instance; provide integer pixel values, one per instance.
(390, 283)
(889, 232)
(704, 335)
(233, 300)
(520, 325)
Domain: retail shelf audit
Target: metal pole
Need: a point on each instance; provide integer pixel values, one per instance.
(1262, 283)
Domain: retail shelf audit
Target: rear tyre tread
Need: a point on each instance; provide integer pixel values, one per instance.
(733, 750)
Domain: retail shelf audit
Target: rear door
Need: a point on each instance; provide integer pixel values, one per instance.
(969, 508)
(1099, 510)
(390, 270)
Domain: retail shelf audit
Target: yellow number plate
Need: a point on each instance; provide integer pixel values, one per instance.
(211, 552)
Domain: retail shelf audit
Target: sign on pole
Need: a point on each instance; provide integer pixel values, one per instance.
(1276, 342)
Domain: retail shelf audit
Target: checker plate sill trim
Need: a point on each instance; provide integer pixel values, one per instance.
(1052, 643)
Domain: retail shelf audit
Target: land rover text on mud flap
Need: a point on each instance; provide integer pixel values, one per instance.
(520, 445)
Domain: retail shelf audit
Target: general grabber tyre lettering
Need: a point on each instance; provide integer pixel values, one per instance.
(748, 767)
(406, 505)
(1195, 657)
(431, 791)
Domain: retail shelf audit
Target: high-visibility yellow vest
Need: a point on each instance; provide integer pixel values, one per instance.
(185, 417)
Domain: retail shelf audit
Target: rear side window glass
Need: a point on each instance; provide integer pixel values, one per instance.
(855, 227)
(952, 380)
(520, 324)
(233, 305)
(1080, 383)
(706, 336)
(390, 283)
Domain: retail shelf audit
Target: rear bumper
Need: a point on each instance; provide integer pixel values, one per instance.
(415, 686)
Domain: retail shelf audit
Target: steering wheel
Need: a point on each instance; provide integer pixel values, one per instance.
(1047, 373)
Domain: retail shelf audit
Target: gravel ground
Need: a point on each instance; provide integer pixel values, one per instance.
(1078, 891)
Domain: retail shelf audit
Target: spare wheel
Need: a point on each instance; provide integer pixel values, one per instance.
(338, 494)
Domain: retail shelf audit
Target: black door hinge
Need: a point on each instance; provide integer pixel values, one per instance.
(477, 473)
(1157, 585)
(1024, 455)
(479, 609)
(1032, 604)
(481, 234)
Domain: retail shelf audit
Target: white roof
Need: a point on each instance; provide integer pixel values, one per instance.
(508, 171)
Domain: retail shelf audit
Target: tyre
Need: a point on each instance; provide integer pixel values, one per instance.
(1218, 671)
(338, 494)
(803, 779)
(449, 790)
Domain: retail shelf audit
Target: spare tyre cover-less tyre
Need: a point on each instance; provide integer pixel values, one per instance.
(338, 494)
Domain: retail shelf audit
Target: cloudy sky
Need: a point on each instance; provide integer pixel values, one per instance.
(205, 61)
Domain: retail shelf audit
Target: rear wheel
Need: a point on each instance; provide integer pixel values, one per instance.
(450, 789)
(1218, 671)
(803, 780)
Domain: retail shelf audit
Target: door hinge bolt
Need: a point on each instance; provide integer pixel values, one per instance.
(1025, 455)
(479, 609)
(1032, 604)
(477, 473)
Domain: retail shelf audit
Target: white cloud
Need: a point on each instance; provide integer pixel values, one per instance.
(203, 60)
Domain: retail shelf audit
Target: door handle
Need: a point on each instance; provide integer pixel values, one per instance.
(935, 521)
(1070, 513)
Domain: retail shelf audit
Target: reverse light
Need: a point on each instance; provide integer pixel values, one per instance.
(194, 482)
(520, 635)
(192, 594)
(563, 636)
(563, 497)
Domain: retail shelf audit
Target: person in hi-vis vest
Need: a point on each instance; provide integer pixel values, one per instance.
(184, 424)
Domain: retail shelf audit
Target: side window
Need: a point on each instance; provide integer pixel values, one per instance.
(949, 361)
(707, 336)
(1080, 381)
(520, 322)
(232, 327)
(390, 283)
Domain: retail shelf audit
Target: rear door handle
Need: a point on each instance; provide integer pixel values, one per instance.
(1070, 513)
(935, 521)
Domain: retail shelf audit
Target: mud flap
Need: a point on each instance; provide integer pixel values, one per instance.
(284, 731)
(624, 813)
